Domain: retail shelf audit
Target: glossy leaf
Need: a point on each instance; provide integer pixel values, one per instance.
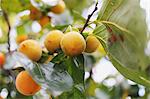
(47, 75)
(70, 29)
(51, 78)
(101, 31)
(133, 75)
(127, 37)
(76, 68)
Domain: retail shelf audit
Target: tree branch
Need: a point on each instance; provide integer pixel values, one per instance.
(8, 24)
(5, 15)
(89, 17)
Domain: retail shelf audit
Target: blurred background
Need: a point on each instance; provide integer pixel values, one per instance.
(104, 81)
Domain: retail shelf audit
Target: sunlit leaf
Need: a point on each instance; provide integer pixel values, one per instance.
(101, 31)
(20, 5)
(3, 30)
(76, 68)
(12, 59)
(127, 37)
(47, 75)
(70, 29)
(53, 79)
(134, 75)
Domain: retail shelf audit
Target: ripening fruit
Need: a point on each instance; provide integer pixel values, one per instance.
(2, 60)
(35, 14)
(44, 20)
(59, 8)
(92, 44)
(73, 43)
(26, 85)
(21, 38)
(52, 40)
(31, 49)
(1, 97)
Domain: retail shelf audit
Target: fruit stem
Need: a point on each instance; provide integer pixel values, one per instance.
(89, 17)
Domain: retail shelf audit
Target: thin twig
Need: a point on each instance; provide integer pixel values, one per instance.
(89, 17)
(5, 15)
(8, 24)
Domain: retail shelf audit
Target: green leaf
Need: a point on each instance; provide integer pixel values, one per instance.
(75, 67)
(21, 30)
(44, 57)
(58, 58)
(127, 14)
(70, 29)
(4, 30)
(54, 79)
(47, 75)
(127, 48)
(73, 94)
(91, 87)
(101, 31)
(24, 28)
(20, 5)
(127, 37)
(130, 73)
(108, 8)
(133, 75)
(78, 16)
(58, 27)
(75, 5)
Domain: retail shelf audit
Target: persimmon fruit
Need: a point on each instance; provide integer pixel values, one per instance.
(73, 43)
(35, 13)
(92, 43)
(2, 59)
(44, 20)
(21, 38)
(26, 85)
(59, 8)
(31, 48)
(52, 40)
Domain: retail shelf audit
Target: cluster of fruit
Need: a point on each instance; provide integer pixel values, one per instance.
(36, 14)
(71, 43)
(41, 17)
